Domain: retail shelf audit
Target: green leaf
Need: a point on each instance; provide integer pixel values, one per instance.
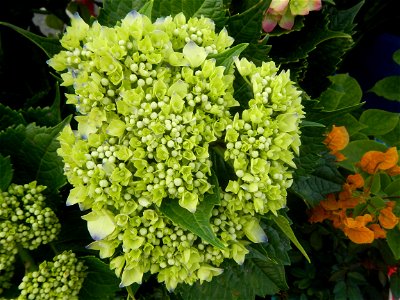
(246, 26)
(378, 122)
(10, 117)
(198, 222)
(277, 247)
(392, 138)
(33, 153)
(392, 190)
(284, 225)
(356, 149)
(395, 285)
(255, 277)
(226, 58)
(6, 173)
(375, 185)
(306, 123)
(257, 52)
(393, 239)
(213, 9)
(147, 9)
(329, 118)
(49, 45)
(396, 56)
(343, 20)
(100, 282)
(223, 169)
(350, 122)
(46, 116)
(388, 87)
(313, 189)
(343, 92)
(115, 10)
(340, 290)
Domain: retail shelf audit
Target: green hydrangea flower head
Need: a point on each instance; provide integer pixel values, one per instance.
(61, 278)
(151, 102)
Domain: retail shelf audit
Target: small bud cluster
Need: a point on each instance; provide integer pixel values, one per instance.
(25, 221)
(60, 279)
(261, 142)
(150, 103)
(24, 217)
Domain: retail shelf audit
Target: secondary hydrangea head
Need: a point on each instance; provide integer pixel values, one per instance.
(151, 103)
(61, 279)
(283, 12)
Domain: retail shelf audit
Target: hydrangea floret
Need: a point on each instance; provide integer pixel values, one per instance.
(151, 103)
(283, 12)
(61, 279)
(25, 222)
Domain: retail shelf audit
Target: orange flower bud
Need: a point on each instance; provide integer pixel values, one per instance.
(387, 218)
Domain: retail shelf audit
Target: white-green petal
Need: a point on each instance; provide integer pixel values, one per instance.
(194, 54)
(100, 223)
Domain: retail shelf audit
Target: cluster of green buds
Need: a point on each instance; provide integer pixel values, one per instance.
(151, 100)
(262, 142)
(60, 279)
(26, 222)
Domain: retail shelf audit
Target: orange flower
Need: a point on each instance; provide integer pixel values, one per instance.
(387, 218)
(346, 199)
(356, 231)
(318, 214)
(372, 161)
(379, 232)
(355, 181)
(337, 140)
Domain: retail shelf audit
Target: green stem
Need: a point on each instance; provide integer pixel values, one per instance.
(27, 259)
(131, 293)
(56, 252)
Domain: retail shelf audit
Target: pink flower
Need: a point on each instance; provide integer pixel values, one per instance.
(283, 12)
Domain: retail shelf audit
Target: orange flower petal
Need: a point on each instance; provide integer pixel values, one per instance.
(359, 221)
(393, 171)
(330, 203)
(339, 156)
(391, 159)
(350, 202)
(372, 161)
(387, 218)
(359, 235)
(379, 232)
(337, 139)
(355, 181)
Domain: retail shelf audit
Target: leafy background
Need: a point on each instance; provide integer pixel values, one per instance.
(334, 55)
